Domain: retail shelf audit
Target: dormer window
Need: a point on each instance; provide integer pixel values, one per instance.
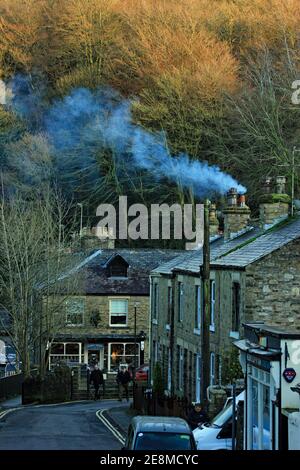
(118, 270)
(117, 267)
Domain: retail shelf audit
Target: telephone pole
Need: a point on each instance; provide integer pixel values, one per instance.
(293, 167)
(205, 271)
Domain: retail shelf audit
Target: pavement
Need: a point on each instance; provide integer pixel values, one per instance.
(120, 416)
(85, 425)
(11, 403)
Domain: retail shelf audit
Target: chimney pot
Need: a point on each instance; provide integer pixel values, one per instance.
(267, 186)
(232, 197)
(213, 220)
(242, 200)
(280, 184)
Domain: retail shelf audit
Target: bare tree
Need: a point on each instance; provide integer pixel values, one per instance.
(35, 259)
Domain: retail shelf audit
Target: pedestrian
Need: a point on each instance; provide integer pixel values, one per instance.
(96, 378)
(123, 378)
(197, 416)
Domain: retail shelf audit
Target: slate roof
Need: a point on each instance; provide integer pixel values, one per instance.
(238, 252)
(261, 246)
(141, 262)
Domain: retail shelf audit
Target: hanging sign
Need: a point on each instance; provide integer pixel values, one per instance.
(289, 375)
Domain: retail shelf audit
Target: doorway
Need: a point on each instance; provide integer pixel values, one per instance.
(95, 355)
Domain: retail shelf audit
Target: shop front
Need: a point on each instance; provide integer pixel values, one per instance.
(270, 362)
(108, 353)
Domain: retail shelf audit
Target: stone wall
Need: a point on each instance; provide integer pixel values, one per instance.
(273, 288)
(269, 213)
(55, 387)
(269, 292)
(218, 398)
(185, 335)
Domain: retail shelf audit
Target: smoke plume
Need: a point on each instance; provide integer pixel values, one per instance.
(86, 121)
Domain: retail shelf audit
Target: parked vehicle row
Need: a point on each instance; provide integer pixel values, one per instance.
(159, 433)
(167, 433)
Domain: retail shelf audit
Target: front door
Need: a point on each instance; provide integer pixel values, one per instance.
(96, 356)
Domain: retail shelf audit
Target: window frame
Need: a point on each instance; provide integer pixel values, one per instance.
(236, 307)
(76, 299)
(180, 301)
(170, 304)
(180, 354)
(198, 309)
(212, 325)
(155, 297)
(118, 325)
(109, 354)
(118, 276)
(212, 368)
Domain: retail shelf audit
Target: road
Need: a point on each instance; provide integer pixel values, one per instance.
(72, 426)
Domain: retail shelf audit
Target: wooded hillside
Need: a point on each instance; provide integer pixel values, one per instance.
(213, 76)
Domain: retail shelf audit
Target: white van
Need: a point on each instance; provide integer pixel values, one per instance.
(217, 435)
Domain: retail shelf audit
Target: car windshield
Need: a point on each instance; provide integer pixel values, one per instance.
(163, 441)
(223, 416)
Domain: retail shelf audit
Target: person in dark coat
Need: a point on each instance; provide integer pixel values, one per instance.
(197, 416)
(123, 378)
(96, 378)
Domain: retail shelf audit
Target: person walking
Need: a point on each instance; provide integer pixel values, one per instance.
(96, 378)
(197, 416)
(123, 378)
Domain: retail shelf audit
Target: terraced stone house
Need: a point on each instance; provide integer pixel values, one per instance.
(254, 276)
(109, 314)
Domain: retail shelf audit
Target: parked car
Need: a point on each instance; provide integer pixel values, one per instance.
(159, 433)
(217, 435)
(141, 374)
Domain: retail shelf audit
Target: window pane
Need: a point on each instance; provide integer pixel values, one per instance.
(129, 360)
(74, 319)
(72, 348)
(129, 348)
(266, 418)
(118, 306)
(118, 319)
(74, 311)
(255, 434)
(115, 361)
(117, 349)
(57, 348)
(75, 305)
(118, 270)
(162, 441)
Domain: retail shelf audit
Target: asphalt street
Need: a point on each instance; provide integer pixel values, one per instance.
(72, 426)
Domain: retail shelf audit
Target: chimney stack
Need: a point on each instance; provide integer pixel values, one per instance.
(280, 184)
(236, 214)
(274, 206)
(213, 221)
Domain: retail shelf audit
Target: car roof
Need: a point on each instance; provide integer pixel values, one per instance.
(160, 424)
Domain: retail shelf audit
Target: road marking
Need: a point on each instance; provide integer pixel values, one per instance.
(4, 413)
(111, 428)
